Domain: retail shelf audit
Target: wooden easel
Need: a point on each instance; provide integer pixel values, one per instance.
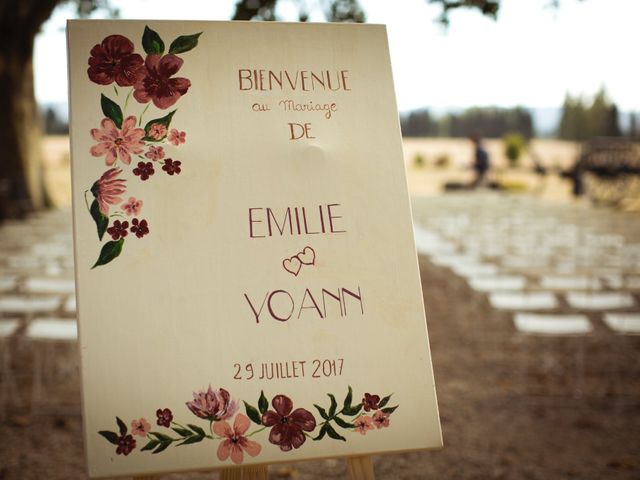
(358, 468)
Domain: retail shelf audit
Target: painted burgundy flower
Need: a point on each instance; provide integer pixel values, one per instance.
(362, 424)
(156, 83)
(177, 137)
(144, 170)
(118, 230)
(381, 419)
(172, 166)
(288, 426)
(164, 417)
(132, 206)
(140, 427)
(126, 445)
(235, 443)
(113, 59)
(370, 402)
(115, 143)
(213, 405)
(157, 131)
(155, 153)
(107, 189)
(139, 227)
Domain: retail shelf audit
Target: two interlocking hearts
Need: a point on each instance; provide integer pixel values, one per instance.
(294, 264)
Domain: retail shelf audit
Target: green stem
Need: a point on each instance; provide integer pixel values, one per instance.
(86, 202)
(126, 101)
(257, 431)
(142, 114)
(115, 90)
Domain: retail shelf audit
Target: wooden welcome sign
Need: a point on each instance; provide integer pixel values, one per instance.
(248, 290)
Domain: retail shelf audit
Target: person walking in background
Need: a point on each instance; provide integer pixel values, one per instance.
(481, 163)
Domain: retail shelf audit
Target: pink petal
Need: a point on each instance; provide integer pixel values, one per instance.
(111, 157)
(181, 85)
(224, 449)
(222, 429)
(128, 124)
(100, 149)
(236, 454)
(241, 424)
(251, 447)
(109, 128)
(270, 418)
(124, 155)
(140, 94)
(151, 62)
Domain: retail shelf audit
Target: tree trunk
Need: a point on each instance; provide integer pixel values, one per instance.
(22, 187)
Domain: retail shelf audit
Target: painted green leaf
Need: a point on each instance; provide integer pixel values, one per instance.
(389, 410)
(197, 429)
(263, 403)
(150, 446)
(152, 43)
(342, 423)
(183, 432)
(109, 251)
(384, 401)
(112, 437)
(184, 43)
(163, 446)
(333, 434)
(166, 121)
(348, 399)
(122, 426)
(111, 110)
(190, 440)
(253, 414)
(334, 405)
(161, 436)
(323, 432)
(322, 411)
(351, 411)
(102, 222)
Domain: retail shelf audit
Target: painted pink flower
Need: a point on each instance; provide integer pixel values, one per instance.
(113, 59)
(156, 84)
(155, 153)
(116, 143)
(177, 137)
(132, 206)
(107, 189)
(288, 426)
(213, 405)
(235, 442)
(140, 427)
(381, 419)
(362, 424)
(157, 131)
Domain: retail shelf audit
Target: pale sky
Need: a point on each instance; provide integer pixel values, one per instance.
(532, 55)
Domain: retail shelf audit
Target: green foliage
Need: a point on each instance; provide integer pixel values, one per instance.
(419, 160)
(514, 145)
(581, 120)
(492, 122)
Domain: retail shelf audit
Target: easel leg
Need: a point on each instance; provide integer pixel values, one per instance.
(360, 468)
(245, 473)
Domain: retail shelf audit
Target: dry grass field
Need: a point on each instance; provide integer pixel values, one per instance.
(427, 179)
